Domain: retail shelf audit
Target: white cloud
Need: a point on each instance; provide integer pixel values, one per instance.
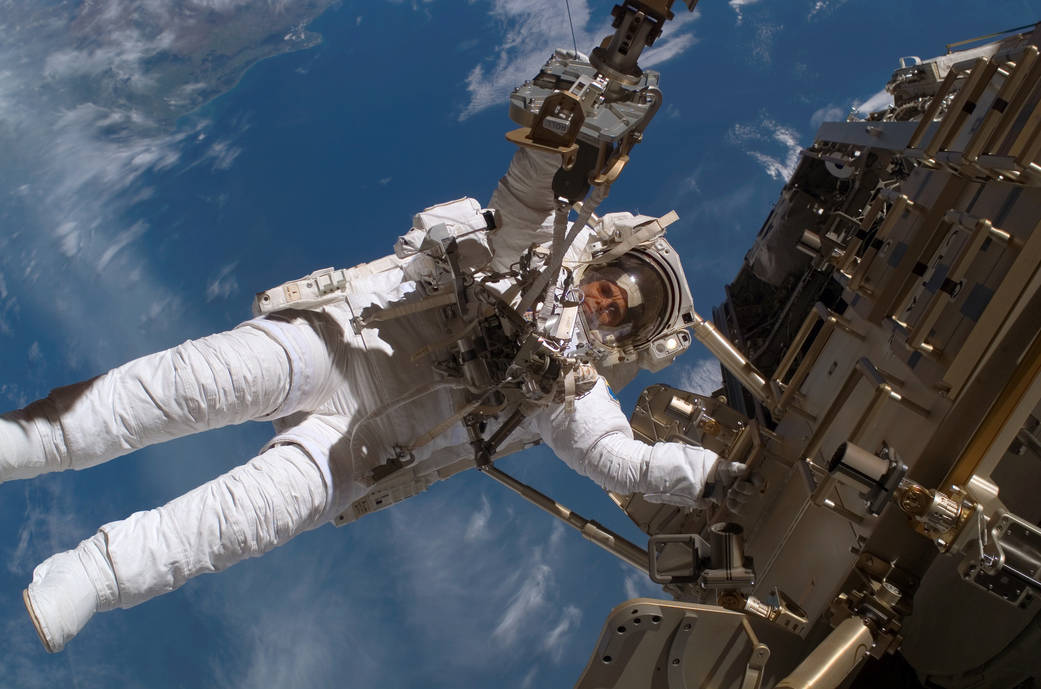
(69, 239)
(779, 164)
(49, 525)
(514, 563)
(94, 145)
(764, 40)
(557, 535)
(529, 601)
(224, 285)
(84, 664)
(30, 273)
(829, 113)
(163, 309)
(638, 585)
(185, 95)
(673, 40)
(555, 643)
(118, 55)
(223, 5)
(534, 602)
(88, 103)
(774, 167)
(737, 5)
(702, 378)
(120, 241)
(691, 184)
(292, 645)
(280, 626)
(477, 528)
(534, 28)
(631, 591)
(223, 154)
(824, 7)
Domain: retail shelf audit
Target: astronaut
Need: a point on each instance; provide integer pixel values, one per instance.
(348, 370)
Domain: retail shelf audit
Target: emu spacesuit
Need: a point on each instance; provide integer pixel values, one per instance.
(344, 399)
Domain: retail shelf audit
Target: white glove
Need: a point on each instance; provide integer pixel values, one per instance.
(734, 486)
(729, 472)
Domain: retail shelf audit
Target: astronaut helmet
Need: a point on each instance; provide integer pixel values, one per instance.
(637, 307)
(624, 301)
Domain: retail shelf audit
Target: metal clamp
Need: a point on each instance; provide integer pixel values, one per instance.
(1007, 560)
(555, 128)
(656, 544)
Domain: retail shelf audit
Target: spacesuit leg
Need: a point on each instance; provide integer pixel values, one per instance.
(260, 370)
(244, 513)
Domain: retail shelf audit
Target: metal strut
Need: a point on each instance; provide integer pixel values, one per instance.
(618, 546)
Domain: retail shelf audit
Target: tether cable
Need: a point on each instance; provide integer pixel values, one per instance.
(567, 4)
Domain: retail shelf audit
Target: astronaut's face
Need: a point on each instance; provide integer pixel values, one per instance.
(605, 303)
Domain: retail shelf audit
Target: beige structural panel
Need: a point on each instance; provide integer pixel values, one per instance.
(657, 644)
(930, 363)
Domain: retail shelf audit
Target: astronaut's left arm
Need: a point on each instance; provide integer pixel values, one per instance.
(525, 203)
(595, 440)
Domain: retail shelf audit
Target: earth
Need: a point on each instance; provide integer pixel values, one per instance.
(160, 162)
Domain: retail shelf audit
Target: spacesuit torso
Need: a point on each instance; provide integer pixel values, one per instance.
(391, 424)
(382, 414)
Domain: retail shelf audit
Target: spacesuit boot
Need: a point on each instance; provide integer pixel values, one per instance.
(67, 589)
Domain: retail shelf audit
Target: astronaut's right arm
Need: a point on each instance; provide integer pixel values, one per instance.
(595, 440)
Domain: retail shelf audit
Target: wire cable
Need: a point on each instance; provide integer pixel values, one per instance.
(992, 35)
(574, 41)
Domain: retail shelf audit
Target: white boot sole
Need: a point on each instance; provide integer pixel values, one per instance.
(36, 622)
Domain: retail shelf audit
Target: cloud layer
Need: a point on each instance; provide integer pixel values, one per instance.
(703, 377)
(88, 102)
(774, 146)
(534, 29)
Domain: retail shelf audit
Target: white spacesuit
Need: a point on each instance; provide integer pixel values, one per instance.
(345, 399)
